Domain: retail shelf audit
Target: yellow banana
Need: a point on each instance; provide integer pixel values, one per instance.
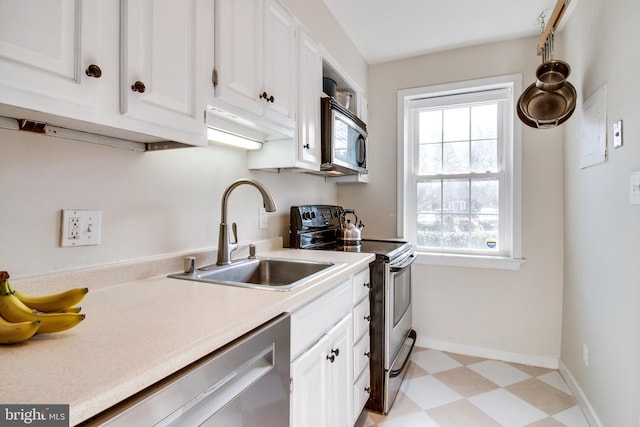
(11, 333)
(51, 303)
(14, 310)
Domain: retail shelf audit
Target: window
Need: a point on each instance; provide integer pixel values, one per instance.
(459, 172)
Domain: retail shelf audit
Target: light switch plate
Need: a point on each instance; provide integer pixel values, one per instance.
(80, 227)
(617, 134)
(634, 188)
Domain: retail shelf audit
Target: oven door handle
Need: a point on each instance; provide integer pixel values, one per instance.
(395, 372)
(404, 264)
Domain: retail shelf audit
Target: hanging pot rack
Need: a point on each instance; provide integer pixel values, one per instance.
(551, 99)
(553, 24)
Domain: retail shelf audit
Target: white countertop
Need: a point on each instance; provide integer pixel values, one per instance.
(140, 331)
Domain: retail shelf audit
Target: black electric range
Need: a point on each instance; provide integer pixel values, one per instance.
(318, 227)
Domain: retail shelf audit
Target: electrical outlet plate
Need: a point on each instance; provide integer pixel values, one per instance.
(264, 221)
(80, 227)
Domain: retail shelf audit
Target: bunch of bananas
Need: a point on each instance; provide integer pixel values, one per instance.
(22, 315)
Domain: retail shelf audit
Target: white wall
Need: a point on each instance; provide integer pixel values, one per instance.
(602, 230)
(152, 203)
(513, 314)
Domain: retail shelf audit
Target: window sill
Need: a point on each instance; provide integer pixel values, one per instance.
(473, 261)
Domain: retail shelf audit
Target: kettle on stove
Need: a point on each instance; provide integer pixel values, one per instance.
(350, 234)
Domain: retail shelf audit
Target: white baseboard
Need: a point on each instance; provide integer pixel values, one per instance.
(488, 353)
(581, 398)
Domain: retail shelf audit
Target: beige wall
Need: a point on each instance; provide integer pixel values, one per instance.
(602, 230)
(509, 314)
(152, 203)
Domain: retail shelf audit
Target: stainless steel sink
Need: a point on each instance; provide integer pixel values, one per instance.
(261, 273)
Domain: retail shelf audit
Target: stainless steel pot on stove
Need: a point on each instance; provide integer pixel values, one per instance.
(350, 234)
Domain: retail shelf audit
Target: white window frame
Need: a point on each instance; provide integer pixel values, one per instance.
(510, 259)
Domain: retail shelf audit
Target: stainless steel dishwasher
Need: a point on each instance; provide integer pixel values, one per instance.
(244, 384)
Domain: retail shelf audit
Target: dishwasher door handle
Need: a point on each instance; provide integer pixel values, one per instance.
(214, 398)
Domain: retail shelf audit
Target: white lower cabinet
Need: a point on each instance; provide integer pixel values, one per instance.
(330, 369)
(320, 386)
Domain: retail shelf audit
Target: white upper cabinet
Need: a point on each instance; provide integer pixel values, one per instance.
(255, 75)
(309, 93)
(280, 74)
(302, 152)
(162, 68)
(46, 50)
(63, 63)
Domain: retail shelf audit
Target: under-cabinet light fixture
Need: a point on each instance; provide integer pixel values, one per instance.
(216, 136)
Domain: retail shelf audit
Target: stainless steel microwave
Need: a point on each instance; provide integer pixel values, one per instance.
(344, 140)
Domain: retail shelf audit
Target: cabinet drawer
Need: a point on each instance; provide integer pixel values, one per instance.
(361, 285)
(361, 356)
(360, 319)
(361, 389)
(310, 322)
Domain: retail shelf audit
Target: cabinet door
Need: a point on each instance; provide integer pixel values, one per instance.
(322, 393)
(310, 90)
(340, 374)
(309, 381)
(239, 53)
(45, 48)
(279, 64)
(161, 75)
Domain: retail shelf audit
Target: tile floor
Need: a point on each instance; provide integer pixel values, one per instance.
(451, 390)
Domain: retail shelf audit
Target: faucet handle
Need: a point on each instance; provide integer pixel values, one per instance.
(252, 251)
(234, 229)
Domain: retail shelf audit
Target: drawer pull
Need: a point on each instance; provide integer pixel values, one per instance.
(368, 354)
(367, 318)
(331, 358)
(367, 285)
(335, 351)
(367, 389)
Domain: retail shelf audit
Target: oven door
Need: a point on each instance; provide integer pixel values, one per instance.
(400, 337)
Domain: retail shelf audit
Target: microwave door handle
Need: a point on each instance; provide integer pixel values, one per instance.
(362, 152)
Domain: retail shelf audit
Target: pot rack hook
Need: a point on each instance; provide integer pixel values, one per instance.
(554, 22)
(541, 21)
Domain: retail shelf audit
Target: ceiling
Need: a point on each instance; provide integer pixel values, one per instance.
(386, 30)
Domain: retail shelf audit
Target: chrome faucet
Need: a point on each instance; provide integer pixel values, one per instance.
(225, 245)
